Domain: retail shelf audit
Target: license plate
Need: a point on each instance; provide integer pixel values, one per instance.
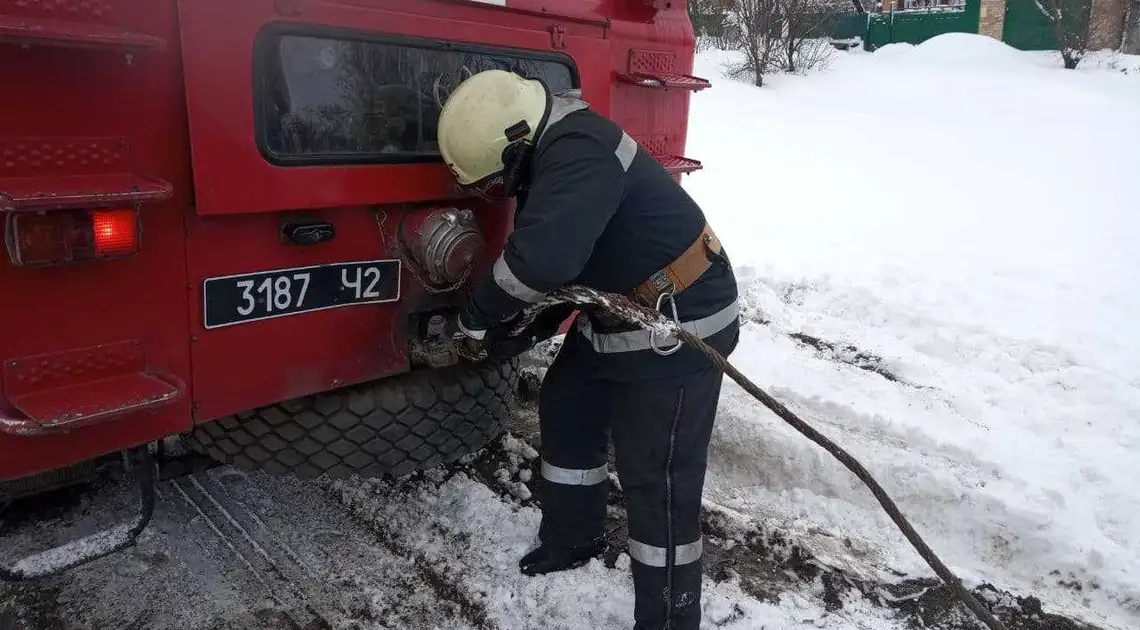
(262, 295)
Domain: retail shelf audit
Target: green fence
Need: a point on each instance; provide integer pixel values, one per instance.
(914, 26)
(1026, 28)
(848, 25)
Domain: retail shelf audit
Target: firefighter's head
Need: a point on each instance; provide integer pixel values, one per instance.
(487, 126)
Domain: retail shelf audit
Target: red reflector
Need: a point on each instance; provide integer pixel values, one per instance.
(58, 237)
(116, 232)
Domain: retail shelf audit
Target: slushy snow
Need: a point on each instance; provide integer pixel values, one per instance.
(970, 214)
(464, 529)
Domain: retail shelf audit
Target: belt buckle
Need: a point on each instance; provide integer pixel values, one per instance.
(662, 284)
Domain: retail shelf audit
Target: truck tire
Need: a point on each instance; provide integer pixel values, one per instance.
(391, 427)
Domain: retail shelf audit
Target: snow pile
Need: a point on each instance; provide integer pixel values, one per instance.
(950, 232)
(515, 479)
(964, 49)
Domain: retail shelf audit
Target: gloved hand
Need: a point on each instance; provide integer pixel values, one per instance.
(546, 324)
(501, 344)
(471, 340)
(497, 341)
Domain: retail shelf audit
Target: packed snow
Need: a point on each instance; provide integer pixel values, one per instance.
(964, 217)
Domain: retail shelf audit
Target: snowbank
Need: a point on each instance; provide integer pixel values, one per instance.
(962, 218)
(967, 49)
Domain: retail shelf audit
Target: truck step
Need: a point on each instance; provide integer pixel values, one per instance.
(662, 81)
(657, 144)
(65, 390)
(658, 69)
(61, 173)
(92, 191)
(676, 164)
(70, 24)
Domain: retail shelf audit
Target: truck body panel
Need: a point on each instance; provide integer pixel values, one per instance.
(245, 136)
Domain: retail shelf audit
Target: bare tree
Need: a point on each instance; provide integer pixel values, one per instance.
(1070, 22)
(728, 36)
(807, 24)
(1131, 43)
(761, 29)
(700, 13)
(712, 23)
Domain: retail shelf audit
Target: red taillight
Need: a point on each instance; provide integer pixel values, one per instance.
(116, 232)
(58, 237)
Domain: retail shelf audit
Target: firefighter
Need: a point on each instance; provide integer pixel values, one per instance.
(595, 209)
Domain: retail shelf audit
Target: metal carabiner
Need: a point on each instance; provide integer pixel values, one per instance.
(676, 320)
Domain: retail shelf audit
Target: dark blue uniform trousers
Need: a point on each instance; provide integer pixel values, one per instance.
(661, 429)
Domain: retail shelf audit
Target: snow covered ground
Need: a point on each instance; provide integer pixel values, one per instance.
(969, 214)
(936, 247)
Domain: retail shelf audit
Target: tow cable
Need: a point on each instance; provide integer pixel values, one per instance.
(661, 326)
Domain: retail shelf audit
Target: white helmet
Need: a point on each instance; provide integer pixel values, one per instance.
(485, 114)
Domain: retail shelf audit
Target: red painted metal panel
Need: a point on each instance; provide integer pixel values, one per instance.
(72, 23)
(201, 86)
(574, 14)
(245, 365)
(234, 229)
(65, 98)
(106, 12)
(56, 370)
(62, 156)
(231, 175)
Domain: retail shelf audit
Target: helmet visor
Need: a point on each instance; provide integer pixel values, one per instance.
(488, 188)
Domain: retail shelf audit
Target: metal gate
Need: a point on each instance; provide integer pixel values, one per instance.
(916, 25)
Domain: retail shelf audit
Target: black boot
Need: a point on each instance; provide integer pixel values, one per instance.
(547, 559)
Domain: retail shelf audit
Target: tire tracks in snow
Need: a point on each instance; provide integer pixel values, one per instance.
(324, 593)
(269, 561)
(326, 580)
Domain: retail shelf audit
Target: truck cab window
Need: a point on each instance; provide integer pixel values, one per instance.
(340, 100)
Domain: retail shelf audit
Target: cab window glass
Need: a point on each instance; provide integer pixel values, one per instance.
(342, 100)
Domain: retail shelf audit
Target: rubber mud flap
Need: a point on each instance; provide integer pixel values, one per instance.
(392, 427)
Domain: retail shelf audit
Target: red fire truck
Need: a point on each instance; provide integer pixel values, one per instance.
(229, 221)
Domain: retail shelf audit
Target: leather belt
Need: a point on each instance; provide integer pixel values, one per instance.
(682, 272)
